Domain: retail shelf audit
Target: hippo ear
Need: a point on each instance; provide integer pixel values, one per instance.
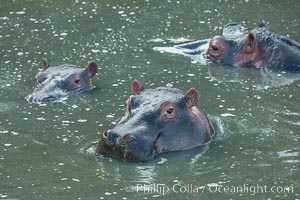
(136, 87)
(191, 97)
(263, 23)
(91, 68)
(250, 44)
(45, 64)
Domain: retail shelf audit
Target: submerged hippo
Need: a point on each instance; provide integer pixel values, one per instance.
(156, 121)
(57, 83)
(237, 46)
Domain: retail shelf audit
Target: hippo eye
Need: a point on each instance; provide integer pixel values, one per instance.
(170, 111)
(77, 81)
(214, 48)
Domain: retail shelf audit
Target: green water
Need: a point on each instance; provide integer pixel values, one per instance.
(46, 152)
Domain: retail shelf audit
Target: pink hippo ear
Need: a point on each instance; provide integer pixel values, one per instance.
(91, 68)
(191, 97)
(45, 64)
(136, 87)
(263, 23)
(250, 44)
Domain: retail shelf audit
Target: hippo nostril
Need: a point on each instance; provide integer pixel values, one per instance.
(49, 98)
(127, 137)
(110, 137)
(29, 98)
(105, 134)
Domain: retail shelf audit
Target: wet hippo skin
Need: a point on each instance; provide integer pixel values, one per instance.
(156, 121)
(58, 83)
(259, 47)
(237, 46)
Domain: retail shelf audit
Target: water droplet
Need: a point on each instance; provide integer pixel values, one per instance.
(20, 12)
(227, 115)
(75, 180)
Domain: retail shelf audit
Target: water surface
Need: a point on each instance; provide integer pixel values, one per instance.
(46, 152)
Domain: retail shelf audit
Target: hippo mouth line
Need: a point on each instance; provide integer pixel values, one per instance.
(155, 146)
(122, 151)
(117, 150)
(53, 97)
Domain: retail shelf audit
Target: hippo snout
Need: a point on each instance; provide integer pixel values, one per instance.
(42, 99)
(112, 138)
(48, 99)
(125, 146)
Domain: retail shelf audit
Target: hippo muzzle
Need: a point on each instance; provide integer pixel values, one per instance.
(46, 95)
(127, 147)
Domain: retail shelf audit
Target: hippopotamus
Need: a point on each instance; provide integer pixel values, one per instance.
(156, 121)
(58, 83)
(240, 47)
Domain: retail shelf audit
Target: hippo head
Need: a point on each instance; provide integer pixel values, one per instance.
(57, 83)
(238, 47)
(156, 121)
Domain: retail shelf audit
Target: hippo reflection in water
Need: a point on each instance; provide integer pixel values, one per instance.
(57, 83)
(156, 121)
(260, 48)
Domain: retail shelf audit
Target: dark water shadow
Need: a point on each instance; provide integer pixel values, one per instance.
(259, 79)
